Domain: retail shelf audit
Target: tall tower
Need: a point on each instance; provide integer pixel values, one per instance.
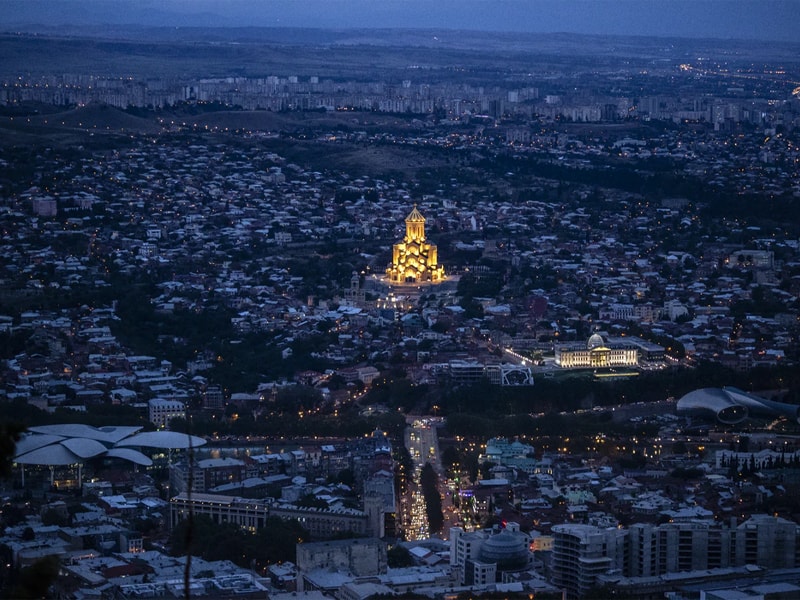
(414, 260)
(415, 227)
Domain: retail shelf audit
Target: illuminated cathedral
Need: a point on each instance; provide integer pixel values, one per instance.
(414, 260)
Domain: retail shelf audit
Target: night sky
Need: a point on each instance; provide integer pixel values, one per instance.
(742, 19)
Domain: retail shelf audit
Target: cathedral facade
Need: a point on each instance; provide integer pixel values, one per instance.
(414, 260)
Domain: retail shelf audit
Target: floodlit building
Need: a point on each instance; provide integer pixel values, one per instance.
(596, 354)
(414, 259)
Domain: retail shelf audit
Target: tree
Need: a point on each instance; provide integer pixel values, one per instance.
(9, 436)
(311, 501)
(35, 581)
(686, 474)
(345, 477)
(298, 397)
(276, 541)
(486, 468)
(54, 517)
(429, 482)
(471, 465)
(679, 447)
(451, 457)
(398, 557)
(12, 514)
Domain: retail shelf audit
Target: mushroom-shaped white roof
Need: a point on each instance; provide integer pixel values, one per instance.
(79, 430)
(130, 454)
(163, 439)
(84, 447)
(31, 441)
(72, 443)
(54, 454)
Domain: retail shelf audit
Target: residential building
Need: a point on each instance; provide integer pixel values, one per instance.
(361, 557)
(582, 553)
(162, 411)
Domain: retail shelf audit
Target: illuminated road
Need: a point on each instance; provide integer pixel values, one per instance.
(422, 442)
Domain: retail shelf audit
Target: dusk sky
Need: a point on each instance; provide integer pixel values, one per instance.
(744, 19)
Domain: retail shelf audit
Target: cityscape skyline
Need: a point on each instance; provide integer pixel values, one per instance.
(356, 313)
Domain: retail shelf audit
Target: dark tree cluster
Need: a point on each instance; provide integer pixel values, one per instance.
(748, 468)
(288, 424)
(275, 542)
(429, 481)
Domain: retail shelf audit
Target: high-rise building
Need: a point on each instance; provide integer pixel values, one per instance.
(679, 546)
(582, 553)
(697, 545)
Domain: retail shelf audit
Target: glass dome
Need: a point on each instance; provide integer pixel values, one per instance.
(595, 341)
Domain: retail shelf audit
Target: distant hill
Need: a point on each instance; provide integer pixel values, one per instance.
(352, 54)
(30, 125)
(95, 116)
(262, 120)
